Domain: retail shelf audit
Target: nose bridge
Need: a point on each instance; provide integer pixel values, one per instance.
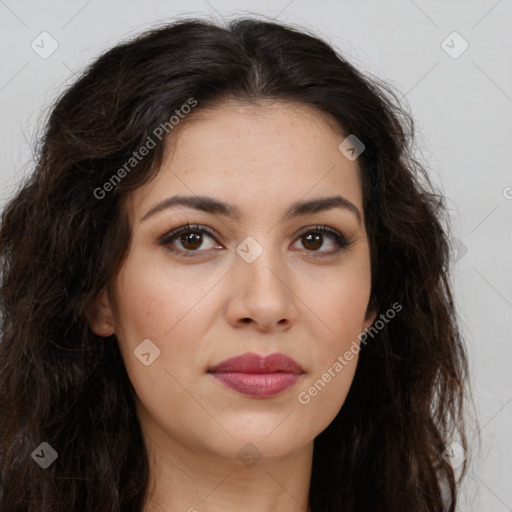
(260, 282)
(260, 263)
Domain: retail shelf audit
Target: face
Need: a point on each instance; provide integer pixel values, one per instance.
(258, 282)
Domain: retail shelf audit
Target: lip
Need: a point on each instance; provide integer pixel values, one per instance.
(258, 376)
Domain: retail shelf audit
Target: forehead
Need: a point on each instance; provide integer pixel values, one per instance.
(265, 152)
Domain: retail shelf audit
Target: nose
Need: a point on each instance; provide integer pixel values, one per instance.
(261, 293)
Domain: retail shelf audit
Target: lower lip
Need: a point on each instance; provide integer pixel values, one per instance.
(258, 385)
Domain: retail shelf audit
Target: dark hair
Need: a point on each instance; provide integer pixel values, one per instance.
(61, 244)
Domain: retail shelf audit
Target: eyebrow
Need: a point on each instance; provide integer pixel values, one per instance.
(214, 206)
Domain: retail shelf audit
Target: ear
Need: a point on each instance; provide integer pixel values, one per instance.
(369, 318)
(100, 315)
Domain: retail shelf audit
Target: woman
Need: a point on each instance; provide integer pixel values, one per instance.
(225, 287)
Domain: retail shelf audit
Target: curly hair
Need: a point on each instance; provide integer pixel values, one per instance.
(62, 242)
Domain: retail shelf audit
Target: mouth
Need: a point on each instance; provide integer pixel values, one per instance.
(258, 376)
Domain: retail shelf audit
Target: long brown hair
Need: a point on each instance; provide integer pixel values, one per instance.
(64, 235)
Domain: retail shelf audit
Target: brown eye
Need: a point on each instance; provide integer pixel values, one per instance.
(314, 238)
(188, 240)
(312, 242)
(192, 240)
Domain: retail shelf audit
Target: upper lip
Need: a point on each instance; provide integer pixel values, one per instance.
(255, 363)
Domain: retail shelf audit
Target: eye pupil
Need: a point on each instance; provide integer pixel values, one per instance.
(313, 238)
(191, 240)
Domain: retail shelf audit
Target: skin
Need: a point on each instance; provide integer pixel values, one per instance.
(261, 157)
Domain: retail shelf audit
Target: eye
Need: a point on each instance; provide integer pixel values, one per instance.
(313, 238)
(190, 237)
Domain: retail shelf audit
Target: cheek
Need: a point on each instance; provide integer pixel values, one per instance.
(154, 302)
(171, 310)
(341, 311)
(323, 393)
(340, 302)
(322, 396)
(154, 305)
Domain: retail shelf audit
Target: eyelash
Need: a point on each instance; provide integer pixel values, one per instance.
(166, 240)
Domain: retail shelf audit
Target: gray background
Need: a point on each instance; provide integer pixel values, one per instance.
(462, 107)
